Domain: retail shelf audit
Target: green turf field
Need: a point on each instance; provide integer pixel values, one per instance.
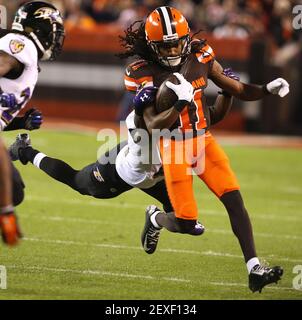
(77, 247)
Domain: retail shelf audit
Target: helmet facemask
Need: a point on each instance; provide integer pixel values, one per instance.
(44, 25)
(171, 61)
(49, 43)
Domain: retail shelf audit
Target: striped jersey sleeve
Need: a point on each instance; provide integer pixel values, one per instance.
(205, 54)
(137, 75)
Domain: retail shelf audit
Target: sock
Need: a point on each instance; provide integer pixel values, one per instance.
(167, 220)
(252, 263)
(153, 220)
(240, 222)
(38, 158)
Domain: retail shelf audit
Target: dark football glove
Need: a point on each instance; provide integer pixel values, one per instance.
(8, 102)
(10, 230)
(144, 98)
(33, 119)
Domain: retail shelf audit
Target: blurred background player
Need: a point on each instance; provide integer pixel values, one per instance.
(37, 34)
(163, 42)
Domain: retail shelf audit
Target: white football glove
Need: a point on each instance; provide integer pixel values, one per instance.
(184, 90)
(278, 86)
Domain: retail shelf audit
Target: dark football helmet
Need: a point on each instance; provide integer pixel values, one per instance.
(44, 25)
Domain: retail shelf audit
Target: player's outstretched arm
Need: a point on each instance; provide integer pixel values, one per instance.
(32, 120)
(247, 92)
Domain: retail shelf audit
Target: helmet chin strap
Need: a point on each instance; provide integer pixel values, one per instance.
(172, 61)
(46, 53)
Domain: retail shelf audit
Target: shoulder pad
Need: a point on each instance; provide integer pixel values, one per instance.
(136, 67)
(138, 64)
(20, 47)
(197, 45)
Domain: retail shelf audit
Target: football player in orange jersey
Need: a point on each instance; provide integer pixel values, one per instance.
(164, 46)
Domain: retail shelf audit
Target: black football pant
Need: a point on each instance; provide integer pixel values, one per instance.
(18, 186)
(98, 179)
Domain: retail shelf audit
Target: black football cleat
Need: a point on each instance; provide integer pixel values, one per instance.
(15, 150)
(150, 234)
(260, 276)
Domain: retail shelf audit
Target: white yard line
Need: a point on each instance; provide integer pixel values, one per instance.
(168, 250)
(220, 231)
(104, 203)
(260, 234)
(234, 284)
(69, 219)
(135, 276)
(100, 222)
(99, 273)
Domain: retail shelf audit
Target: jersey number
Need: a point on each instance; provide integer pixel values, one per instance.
(191, 116)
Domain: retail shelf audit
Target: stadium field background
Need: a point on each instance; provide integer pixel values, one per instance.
(78, 247)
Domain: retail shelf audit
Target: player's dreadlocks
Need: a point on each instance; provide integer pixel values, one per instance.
(135, 43)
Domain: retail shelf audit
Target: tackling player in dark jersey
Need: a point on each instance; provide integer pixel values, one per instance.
(101, 179)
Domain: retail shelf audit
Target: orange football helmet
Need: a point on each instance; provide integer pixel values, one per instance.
(166, 27)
